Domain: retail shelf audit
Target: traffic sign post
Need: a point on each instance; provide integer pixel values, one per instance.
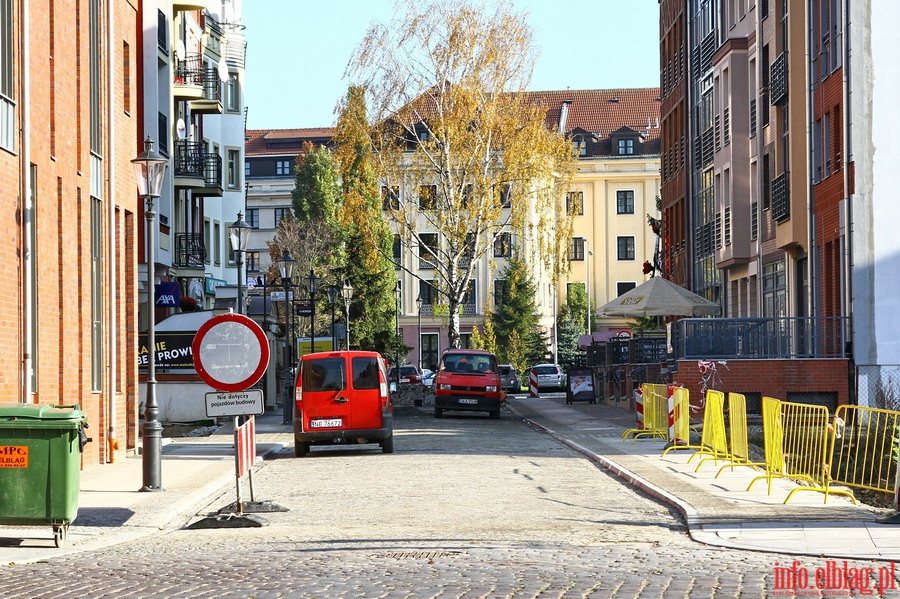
(231, 353)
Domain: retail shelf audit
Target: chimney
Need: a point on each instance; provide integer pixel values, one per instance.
(564, 115)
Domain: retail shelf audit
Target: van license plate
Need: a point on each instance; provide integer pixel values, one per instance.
(329, 423)
(468, 401)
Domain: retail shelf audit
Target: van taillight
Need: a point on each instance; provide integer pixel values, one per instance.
(383, 389)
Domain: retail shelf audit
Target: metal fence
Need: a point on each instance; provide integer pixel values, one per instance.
(878, 386)
(759, 338)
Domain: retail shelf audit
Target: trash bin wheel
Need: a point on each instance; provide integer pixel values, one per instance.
(59, 534)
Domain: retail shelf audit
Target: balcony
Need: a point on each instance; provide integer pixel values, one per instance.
(779, 82)
(188, 78)
(211, 100)
(196, 169)
(190, 254)
(182, 5)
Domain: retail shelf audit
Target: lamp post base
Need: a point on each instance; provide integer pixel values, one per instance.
(152, 456)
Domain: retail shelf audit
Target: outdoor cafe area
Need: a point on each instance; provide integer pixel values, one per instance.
(802, 360)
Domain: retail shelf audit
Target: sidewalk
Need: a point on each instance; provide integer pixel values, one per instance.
(112, 510)
(719, 511)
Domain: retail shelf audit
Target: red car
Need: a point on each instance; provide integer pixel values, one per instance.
(409, 375)
(468, 380)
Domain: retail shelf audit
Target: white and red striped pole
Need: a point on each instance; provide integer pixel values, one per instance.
(639, 407)
(533, 384)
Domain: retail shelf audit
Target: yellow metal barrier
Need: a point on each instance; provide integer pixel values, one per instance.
(797, 441)
(656, 414)
(714, 444)
(738, 441)
(864, 448)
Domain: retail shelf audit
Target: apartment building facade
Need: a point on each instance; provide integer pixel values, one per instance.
(68, 111)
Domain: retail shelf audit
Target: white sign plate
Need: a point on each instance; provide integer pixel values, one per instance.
(234, 403)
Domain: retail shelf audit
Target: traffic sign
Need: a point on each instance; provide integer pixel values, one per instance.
(231, 352)
(234, 403)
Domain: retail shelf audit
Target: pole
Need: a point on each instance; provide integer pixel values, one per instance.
(397, 320)
(587, 258)
(333, 337)
(152, 429)
(312, 323)
(347, 322)
(240, 286)
(419, 333)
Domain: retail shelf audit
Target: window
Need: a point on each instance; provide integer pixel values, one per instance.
(503, 245)
(251, 259)
(252, 217)
(430, 350)
(390, 197)
(126, 77)
(398, 251)
(283, 167)
(504, 190)
(427, 249)
(625, 247)
(499, 291)
(576, 250)
(427, 197)
(468, 249)
(281, 214)
(96, 86)
(579, 146)
(217, 243)
(626, 146)
(234, 158)
(470, 296)
(575, 203)
(98, 364)
(623, 288)
(774, 289)
(232, 93)
(428, 292)
(246, 169)
(624, 201)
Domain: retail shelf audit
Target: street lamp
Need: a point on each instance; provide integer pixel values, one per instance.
(240, 236)
(419, 327)
(587, 256)
(397, 294)
(347, 294)
(334, 292)
(286, 269)
(150, 170)
(312, 285)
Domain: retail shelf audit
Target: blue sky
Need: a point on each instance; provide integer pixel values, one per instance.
(297, 51)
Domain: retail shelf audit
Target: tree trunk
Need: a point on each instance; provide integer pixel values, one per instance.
(453, 324)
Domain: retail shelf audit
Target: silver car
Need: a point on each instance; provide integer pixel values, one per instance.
(550, 376)
(509, 379)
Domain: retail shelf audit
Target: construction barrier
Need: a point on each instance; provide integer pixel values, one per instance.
(533, 384)
(738, 440)
(678, 406)
(639, 407)
(865, 448)
(796, 445)
(713, 443)
(656, 414)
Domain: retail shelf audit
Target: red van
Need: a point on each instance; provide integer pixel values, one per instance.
(469, 380)
(342, 397)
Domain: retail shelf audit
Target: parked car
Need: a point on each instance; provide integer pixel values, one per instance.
(409, 375)
(428, 377)
(550, 376)
(342, 397)
(509, 379)
(469, 380)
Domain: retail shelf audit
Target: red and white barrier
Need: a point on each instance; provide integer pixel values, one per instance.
(639, 407)
(245, 439)
(533, 384)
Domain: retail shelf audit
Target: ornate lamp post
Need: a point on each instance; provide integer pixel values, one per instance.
(286, 269)
(419, 328)
(347, 295)
(312, 285)
(334, 292)
(150, 170)
(240, 236)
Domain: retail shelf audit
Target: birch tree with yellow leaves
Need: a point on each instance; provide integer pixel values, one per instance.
(462, 151)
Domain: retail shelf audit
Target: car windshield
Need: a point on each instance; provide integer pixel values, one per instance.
(505, 370)
(325, 374)
(469, 363)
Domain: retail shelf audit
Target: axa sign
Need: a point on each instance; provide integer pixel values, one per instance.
(167, 295)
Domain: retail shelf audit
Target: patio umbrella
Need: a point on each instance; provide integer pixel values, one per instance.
(659, 297)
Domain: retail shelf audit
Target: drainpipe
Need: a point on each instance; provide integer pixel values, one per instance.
(813, 253)
(847, 296)
(28, 213)
(111, 444)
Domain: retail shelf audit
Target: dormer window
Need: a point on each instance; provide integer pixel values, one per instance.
(626, 147)
(579, 146)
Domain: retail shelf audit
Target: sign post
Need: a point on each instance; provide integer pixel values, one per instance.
(231, 354)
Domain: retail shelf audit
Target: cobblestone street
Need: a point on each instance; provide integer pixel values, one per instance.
(466, 507)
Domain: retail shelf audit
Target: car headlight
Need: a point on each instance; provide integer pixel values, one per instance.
(445, 387)
(491, 388)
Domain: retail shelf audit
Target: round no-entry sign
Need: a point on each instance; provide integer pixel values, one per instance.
(230, 352)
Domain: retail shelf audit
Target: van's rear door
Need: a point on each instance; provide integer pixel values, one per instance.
(325, 397)
(367, 393)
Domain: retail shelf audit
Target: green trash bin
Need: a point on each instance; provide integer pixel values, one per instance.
(40, 465)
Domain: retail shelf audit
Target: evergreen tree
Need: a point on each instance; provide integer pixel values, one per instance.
(475, 339)
(567, 342)
(367, 236)
(317, 192)
(516, 318)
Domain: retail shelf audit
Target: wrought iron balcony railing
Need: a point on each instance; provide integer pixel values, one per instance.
(190, 250)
